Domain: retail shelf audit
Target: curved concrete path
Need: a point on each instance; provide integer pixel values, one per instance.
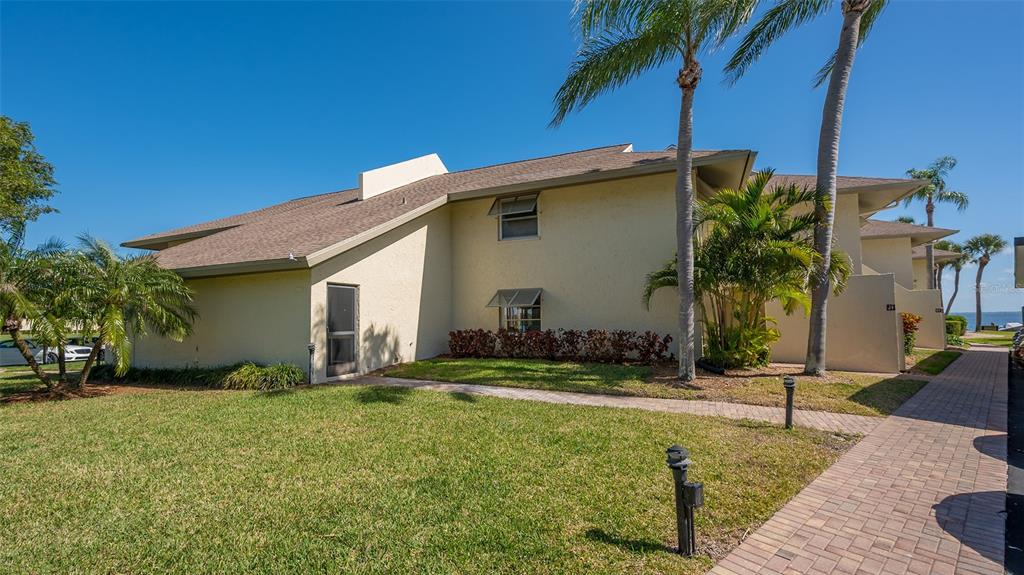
(838, 422)
(924, 492)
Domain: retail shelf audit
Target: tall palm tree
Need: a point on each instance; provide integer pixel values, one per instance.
(949, 246)
(129, 295)
(935, 193)
(859, 16)
(621, 39)
(957, 265)
(981, 249)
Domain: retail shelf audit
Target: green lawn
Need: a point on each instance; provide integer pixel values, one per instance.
(840, 392)
(20, 379)
(375, 480)
(1001, 338)
(933, 361)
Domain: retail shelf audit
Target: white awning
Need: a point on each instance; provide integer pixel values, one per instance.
(515, 297)
(518, 205)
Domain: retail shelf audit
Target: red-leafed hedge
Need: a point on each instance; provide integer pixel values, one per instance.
(593, 345)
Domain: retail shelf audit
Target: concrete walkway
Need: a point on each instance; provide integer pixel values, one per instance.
(922, 493)
(824, 420)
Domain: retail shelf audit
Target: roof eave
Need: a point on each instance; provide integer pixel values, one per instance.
(162, 242)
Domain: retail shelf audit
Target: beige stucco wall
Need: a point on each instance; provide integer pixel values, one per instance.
(862, 334)
(597, 243)
(260, 317)
(846, 228)
(931, 332)
(404, 301)
(890, 256)
(920, 273)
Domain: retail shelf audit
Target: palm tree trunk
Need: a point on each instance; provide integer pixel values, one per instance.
(929, 252)
(982, 262)
(62, 366)
(956, 289)
(96, 347)
(828, 162)
(689, 77)
(19, 342)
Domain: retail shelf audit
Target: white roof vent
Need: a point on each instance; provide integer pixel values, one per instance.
(387, 178)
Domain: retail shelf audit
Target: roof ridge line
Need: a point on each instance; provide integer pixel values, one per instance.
(537, 158)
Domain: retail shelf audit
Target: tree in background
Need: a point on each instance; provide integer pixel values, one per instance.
(935, 193)
(755, 249)
(26, 179)
(127, 296)
(621, 39)
(957, 265)
(981, 248)
(905, 219)
(859, 16)
(949, 246)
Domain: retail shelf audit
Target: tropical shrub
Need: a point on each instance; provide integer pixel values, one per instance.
(245, 375)
(953, 339)
(594, 345)
(911, 323)
(756, 246)
(959, 319)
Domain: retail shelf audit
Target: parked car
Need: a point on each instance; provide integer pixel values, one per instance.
(11, 355)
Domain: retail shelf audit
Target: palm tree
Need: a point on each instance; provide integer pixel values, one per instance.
(958, 265)
(755, 249)
(129, 295)
(935, 193)
(859, 17)
(905, 219)
(621, 39)
(981, 249)
(949, 246)
(22, 273)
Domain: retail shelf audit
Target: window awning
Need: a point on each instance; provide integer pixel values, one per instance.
(515, 297)
(518, 205)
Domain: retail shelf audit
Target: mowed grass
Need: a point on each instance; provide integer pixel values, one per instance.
(933, 361)
(16, 379)
(354, 479)
(839, 392)
(1000, 338)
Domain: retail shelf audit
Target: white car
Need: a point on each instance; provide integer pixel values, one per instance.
(11, 355)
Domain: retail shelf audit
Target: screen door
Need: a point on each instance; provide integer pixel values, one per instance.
(341, 330)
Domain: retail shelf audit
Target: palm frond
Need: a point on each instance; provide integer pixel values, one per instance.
(867, 22)
(773, 25)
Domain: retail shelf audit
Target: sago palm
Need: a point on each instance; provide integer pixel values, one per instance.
(859, 16)
(981, 249)
(129, 296)
(935, 193)
(621, 39)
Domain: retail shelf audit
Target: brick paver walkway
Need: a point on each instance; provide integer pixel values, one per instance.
(922, 493)
(827, 421)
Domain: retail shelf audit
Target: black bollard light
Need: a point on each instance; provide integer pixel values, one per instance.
(789, 382)
(688, 497)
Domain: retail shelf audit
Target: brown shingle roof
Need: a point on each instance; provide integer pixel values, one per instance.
(884, 229)
(842, 182)
(918, 252)
(299, 228)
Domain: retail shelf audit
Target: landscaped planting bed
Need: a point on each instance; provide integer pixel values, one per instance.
(376, 480)
(840, 392)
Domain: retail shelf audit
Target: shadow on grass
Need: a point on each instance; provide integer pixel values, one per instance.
(462, 396)
(646, 546)
(535, 374)
(383, 394)
(887, 395)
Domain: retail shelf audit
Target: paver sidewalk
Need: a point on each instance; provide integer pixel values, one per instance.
(840, 422)
(922, 493)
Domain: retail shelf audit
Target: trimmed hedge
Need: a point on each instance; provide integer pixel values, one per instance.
(245, 375)
(960, 321)
(593, 345)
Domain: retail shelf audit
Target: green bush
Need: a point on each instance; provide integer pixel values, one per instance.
(246, 375)
(739, 346)
(953, 339)
(952, 327)
(959, 319)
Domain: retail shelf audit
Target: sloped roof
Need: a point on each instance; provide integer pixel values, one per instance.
(842, 182)
(296, 233)
(873, 194)
(879, 229)
(918, 252)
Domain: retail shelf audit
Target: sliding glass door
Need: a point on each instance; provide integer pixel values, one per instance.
(341, 329)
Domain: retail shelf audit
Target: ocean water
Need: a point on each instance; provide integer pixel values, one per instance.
(999, 318)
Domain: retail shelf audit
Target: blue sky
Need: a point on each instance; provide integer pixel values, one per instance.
(158, 115)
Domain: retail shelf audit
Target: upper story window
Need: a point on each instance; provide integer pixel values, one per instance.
(517, 217)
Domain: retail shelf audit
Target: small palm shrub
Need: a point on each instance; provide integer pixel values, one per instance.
(740, 346)
(246, 375)
(911, 323)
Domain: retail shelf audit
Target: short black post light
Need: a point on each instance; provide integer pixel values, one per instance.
(688, 497)
(789, 382)
(309, 370)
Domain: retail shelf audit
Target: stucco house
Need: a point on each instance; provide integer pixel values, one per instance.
(381, 273)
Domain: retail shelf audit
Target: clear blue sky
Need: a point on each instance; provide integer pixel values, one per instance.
(158, 115)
